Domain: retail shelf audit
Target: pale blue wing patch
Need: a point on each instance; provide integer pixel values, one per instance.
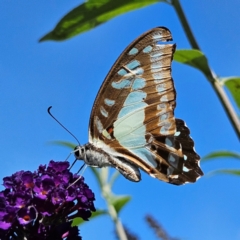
(161, 87)
(130, 133)
(164, 98)
(133, 51)
(129, 109)
(133, 69)
(138, 71)
(176, 134)
(124, 83)
(161, 106)
(165, 129)
(155, 66)
(98, 123)
(103, 111)
(169, 142)
(147, 49)
(145, 155)
(163, 117)
(133, 64)
(160, 77)
(160, 35)
(133, 102)
(122, 72)
(135, 97)
(138, 83)
(133, 138)
(129, 122)
(109, 102)
(106, 134)
(157, 53)
(128, 73)
(157, 36)
(185, 169)
(174, 160)
(129, 129)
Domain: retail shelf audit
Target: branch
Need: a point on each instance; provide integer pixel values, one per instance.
(212, 78)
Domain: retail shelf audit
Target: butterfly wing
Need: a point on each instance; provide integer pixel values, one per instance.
(133, 114)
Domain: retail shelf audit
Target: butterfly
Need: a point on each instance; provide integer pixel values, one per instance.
(132, 124)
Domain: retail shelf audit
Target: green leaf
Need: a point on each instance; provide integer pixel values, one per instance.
(63, 143)
(91, 14)
(78, 221)
(235, 172)
(233, 85)
(219, 154)
(193, 58)
(119, 202)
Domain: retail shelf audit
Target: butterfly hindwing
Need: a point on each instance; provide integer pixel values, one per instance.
(133, 114)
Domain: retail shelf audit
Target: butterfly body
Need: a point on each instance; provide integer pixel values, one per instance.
(132, 124)
(97, 157)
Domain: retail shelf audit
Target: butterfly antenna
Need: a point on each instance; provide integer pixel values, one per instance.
(49, 112)
(82, 168)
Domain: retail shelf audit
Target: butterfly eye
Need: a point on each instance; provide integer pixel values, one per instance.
(78, 152)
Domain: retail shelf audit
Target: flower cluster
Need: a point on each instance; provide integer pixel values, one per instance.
(42, 204)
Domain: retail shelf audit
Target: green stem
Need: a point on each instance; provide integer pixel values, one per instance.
(226, 104)
(178, 8)
(106, 192)
(119, 227)
(218, 88)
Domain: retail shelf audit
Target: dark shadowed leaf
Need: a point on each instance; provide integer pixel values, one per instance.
(91, 14)
(78, 221)
(221, 154)
(119, 202)
(194, 58)
(233, 85)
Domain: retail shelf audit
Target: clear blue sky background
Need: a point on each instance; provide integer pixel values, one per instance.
(67, 75)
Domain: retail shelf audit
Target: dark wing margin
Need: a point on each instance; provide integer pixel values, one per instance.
(181, 162)
(192, 161)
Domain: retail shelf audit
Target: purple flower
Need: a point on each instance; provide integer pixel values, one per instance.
(42, 204)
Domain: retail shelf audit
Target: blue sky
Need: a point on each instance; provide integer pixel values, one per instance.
(67, 76)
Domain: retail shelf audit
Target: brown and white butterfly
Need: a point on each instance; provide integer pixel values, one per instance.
(132, 124)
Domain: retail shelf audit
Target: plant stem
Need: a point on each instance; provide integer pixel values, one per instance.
(218, 88)
(226, 104)
(178, 8)
(106, 193)
(119, 227)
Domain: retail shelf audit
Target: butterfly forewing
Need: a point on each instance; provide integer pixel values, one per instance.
(133, 114)
(134, 76)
